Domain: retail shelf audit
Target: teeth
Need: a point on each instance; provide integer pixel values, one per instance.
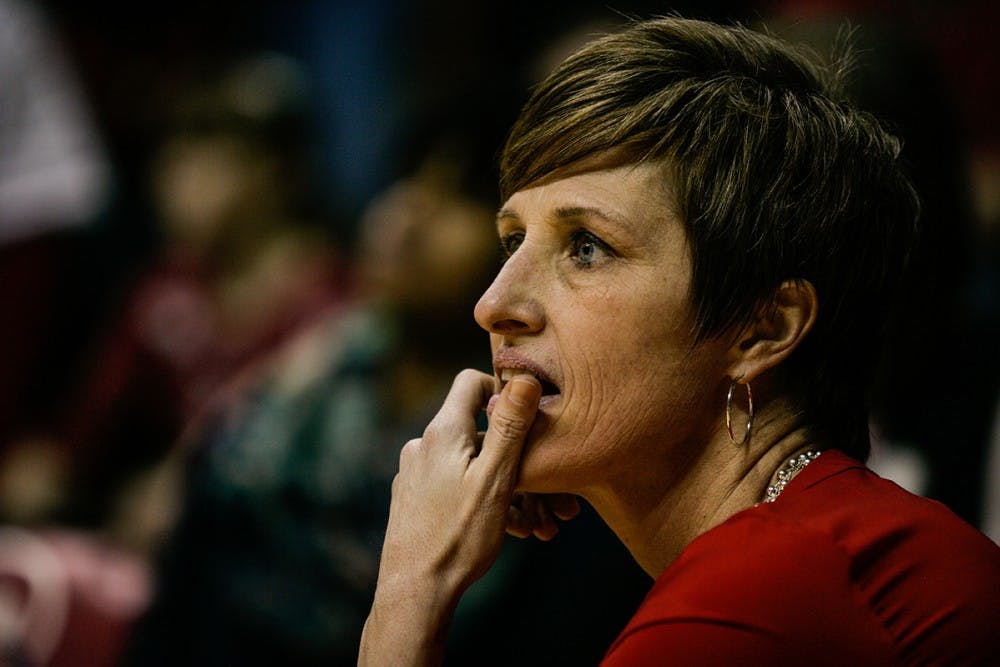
(508, 374)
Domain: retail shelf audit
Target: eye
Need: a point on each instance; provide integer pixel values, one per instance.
(588, 250)
(509, 243)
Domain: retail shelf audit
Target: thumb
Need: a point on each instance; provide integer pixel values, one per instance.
(510, 422)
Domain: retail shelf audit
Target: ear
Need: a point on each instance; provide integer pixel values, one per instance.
(780, 327)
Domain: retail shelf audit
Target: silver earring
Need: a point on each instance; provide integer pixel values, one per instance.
(729, 411)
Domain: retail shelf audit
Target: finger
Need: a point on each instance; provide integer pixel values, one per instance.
(509, 424)
(543, 525)
(456, 420)
(517, 523)
(566, 506)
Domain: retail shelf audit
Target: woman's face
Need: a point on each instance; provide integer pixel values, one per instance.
(594, 300)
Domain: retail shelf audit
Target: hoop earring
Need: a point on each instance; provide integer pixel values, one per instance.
(729, 410)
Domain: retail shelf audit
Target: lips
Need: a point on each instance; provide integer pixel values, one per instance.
(508, 363)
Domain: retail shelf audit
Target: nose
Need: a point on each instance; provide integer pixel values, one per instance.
(510, 305)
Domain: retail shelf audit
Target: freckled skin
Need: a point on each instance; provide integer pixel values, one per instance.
(608, 317)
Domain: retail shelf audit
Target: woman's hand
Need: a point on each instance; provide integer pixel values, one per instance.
(449, 512)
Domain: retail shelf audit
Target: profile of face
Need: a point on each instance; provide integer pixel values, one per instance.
(594, 299)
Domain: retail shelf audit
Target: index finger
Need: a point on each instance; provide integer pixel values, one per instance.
(457, 417)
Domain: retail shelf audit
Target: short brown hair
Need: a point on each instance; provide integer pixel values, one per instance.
(776, 177)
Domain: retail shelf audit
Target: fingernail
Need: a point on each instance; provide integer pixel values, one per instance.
(522, 391)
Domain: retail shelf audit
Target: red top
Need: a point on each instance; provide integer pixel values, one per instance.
(845, 568)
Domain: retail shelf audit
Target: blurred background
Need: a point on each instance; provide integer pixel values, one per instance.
(239, 248)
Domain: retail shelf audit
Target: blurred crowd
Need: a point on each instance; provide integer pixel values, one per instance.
(239, 249)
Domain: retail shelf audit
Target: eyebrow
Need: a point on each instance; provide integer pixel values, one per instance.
(564, 212)
(507, 213)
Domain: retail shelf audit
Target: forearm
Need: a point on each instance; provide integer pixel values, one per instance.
(407, 626)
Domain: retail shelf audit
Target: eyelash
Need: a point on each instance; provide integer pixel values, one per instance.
(509, 244)
(581, 238)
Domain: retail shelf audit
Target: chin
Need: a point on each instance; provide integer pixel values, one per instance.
(548, 463)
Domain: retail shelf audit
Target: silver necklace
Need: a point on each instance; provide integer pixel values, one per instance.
(787, 471)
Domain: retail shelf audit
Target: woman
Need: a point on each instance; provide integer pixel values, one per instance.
(690, 211)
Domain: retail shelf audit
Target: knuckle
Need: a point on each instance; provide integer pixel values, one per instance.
(508, 426)
(467, 375)
(408, 452)
(442, 430)
(434, 430)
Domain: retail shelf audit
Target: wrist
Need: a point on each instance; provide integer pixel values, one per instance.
(408, 622)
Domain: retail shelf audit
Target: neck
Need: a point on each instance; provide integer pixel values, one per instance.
(722, 480)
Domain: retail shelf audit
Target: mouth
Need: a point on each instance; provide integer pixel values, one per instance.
(548, 387)
(507, 366)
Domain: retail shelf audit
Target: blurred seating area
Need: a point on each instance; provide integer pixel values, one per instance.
(240, 244)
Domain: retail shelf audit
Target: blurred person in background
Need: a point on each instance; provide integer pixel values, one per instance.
(244, 259)
(275, 555)
(276, 549)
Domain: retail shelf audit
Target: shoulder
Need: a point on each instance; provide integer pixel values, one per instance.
(747, 593)
(847, 569)
(931, 579)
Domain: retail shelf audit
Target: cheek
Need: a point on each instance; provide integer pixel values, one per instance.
(626, 345)
(638, 377)
(640, 400)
